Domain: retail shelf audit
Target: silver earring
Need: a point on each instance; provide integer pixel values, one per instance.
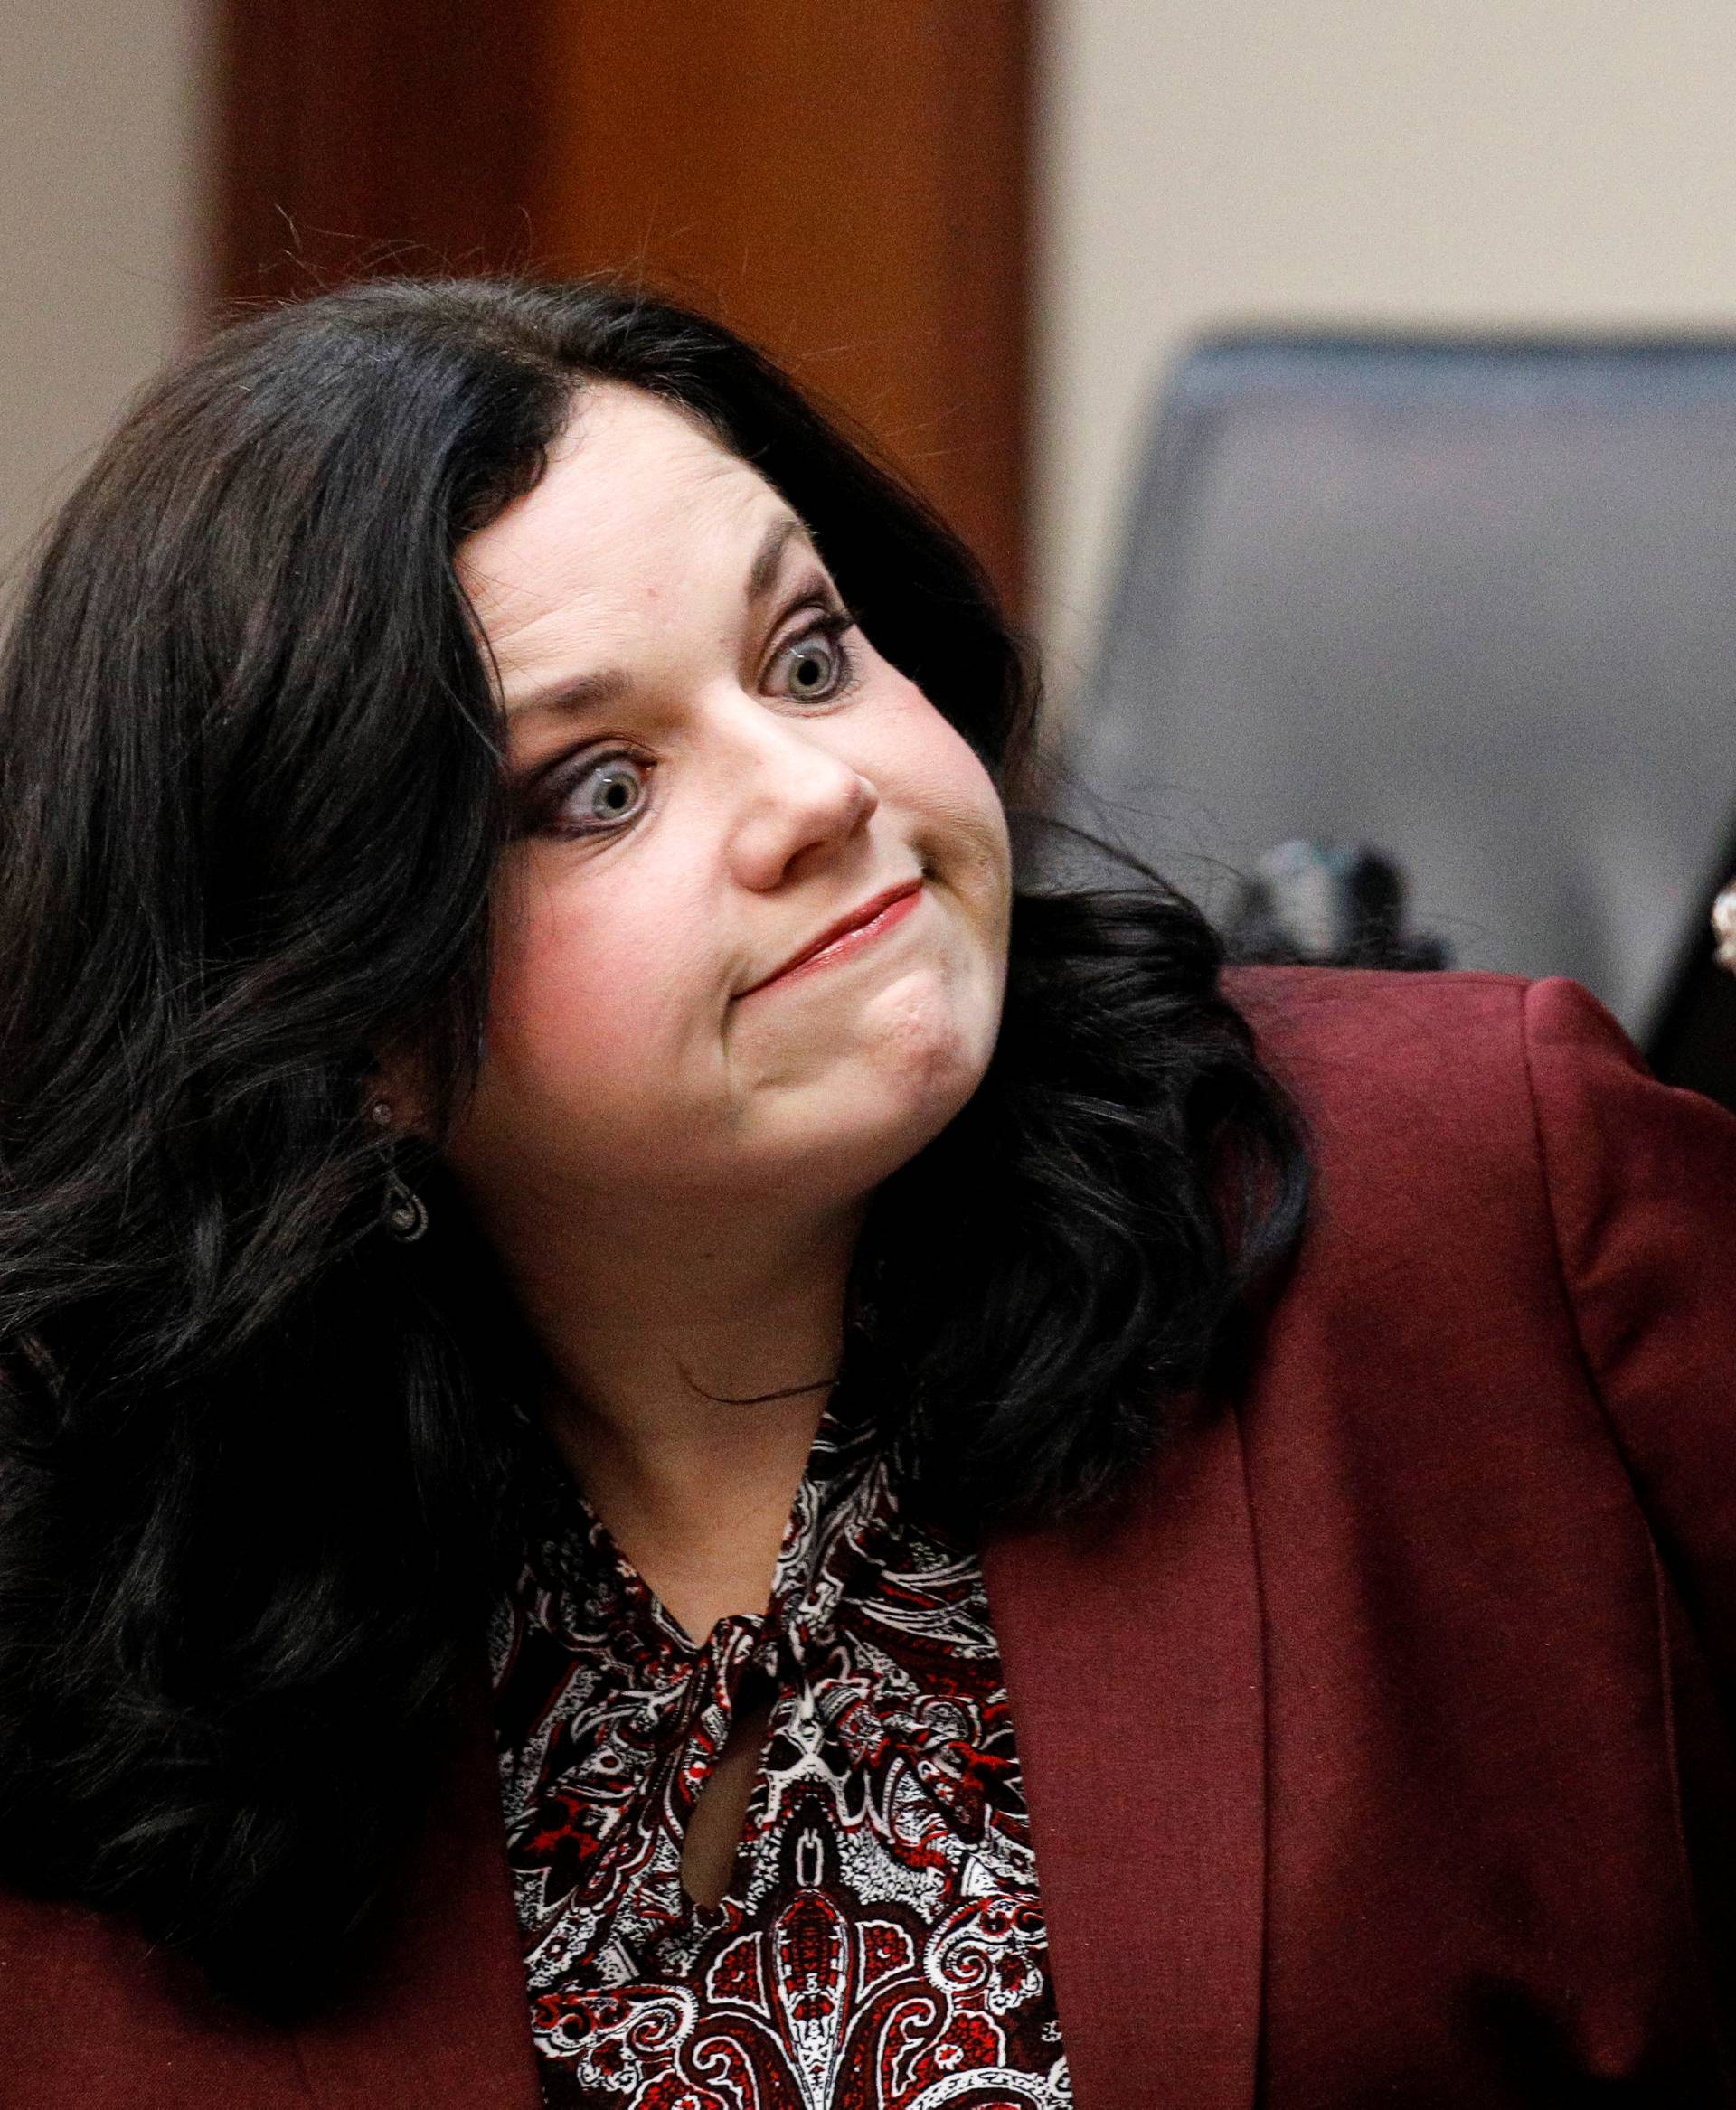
(405, 1214)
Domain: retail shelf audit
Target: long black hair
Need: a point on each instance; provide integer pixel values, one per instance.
(253, 1470)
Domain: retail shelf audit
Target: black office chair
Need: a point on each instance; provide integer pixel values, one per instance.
(1471, 604)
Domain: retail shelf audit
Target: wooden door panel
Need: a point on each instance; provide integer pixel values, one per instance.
(845, 183)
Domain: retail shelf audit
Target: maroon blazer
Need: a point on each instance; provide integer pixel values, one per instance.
(1378, 1749)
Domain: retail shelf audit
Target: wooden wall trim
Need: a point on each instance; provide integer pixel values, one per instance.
(362, 136)
(847, 186)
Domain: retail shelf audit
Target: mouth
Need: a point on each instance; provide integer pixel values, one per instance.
(861, 925)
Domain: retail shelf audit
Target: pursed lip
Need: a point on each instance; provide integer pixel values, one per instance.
(857, 918)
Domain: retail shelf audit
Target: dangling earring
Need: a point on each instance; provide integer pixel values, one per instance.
(405, 1214)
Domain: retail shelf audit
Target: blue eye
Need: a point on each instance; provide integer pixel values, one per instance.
(817, 665)
(603, 794)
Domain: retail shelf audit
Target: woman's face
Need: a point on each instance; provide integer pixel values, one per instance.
(750, 941)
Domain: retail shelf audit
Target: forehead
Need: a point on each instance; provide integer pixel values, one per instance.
(638, 495)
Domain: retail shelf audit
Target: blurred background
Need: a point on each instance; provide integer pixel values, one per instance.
(1345, 397)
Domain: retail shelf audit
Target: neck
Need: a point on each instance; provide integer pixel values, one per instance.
(690, 1364)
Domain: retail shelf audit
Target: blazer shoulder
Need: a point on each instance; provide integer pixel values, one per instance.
(1401, 1063)
(1478, 1119)
(1425, 1074)
(1316, 1025)
(1505, 1128)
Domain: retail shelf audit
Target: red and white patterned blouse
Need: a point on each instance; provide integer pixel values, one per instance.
(879, 1944)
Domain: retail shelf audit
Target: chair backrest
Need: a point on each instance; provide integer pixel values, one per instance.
(1472, 603)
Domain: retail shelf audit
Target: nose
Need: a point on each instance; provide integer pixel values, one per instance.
(800, 798)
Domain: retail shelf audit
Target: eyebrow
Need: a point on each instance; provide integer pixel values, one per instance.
(762, 573)
(597, 692)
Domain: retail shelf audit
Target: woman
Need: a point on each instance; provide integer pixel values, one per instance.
(664, 1447)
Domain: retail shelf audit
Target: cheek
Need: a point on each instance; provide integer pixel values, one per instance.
(583, 1007)
(940, 1031)
(931, 772)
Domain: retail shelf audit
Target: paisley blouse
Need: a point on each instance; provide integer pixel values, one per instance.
(879, 1944)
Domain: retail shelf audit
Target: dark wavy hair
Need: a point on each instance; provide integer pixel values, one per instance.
(254, 1455)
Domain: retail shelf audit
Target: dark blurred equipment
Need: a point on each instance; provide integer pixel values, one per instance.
(1723, 926)
(1694, 1042)
(1329, 905)
(1473, 601)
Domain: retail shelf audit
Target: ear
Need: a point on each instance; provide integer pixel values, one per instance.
(396, 1097)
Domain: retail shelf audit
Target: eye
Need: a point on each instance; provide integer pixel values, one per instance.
(600, 794)
(817, 665)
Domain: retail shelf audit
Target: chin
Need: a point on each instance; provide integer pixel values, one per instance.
(874, 1112)
(931, 1047)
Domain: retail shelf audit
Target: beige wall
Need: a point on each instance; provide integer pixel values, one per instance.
(1509, 161)
(1543, 162)
(99, 135)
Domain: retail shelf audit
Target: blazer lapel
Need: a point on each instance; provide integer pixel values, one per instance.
(443, 2022)
(1131, 1644)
